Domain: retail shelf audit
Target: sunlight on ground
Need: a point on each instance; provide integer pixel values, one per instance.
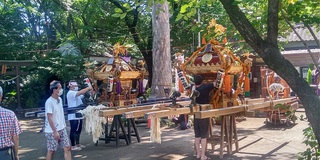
(80, 156)
(25, 150)
(168, 156)
(31, 125)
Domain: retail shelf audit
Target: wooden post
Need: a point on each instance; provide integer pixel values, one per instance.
(18, 87)
(16, 72)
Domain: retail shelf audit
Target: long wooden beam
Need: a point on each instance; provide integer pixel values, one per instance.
(14, 73)
(242, 108)
(265, 105)
(220, 112)
(182, 103)
(139, 113)
(112, 112)
(17, 62)
(176, 111)
(117, 111)
(163, 110)
(256, 100)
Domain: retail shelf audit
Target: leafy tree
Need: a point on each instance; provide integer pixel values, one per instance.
(267, 48)
(65, 67)
(259, 24)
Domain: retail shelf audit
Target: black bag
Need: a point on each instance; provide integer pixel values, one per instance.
(79, 115)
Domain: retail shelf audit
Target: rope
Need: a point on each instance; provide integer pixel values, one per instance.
(2, 80)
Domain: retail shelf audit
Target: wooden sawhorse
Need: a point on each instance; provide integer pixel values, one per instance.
(114, 133)
(228, 135)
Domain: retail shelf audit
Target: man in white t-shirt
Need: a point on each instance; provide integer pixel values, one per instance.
(55, 124)
(74, 98)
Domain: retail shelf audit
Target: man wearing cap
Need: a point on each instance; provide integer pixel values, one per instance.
(9, 133)
(55, 124)
(74, 98)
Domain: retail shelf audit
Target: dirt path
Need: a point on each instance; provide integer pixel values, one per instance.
(256, 141)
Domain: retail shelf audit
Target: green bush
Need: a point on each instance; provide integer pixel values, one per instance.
(309, 76)
(312, 152)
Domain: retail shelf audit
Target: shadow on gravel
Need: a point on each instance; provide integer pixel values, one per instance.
(277, 126)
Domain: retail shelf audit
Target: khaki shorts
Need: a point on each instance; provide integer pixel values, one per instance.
(63, 142)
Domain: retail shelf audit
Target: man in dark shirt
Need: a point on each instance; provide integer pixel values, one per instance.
(201, 126)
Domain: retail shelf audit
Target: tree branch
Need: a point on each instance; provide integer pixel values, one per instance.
(146, 52)
(304, 42)
(245, 28)
(272, 34)
(313, 35)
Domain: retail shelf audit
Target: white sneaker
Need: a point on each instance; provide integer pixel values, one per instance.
(75, 148)
(81, 146)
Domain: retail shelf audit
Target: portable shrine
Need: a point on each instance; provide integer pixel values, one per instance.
(214, 61)
(117, 81)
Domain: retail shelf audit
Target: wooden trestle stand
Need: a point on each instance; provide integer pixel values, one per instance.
(114, 134)
(227, 137)
(228, 131)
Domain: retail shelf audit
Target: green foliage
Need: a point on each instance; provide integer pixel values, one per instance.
(148, 92)
(313, 151)
(188, 17)
(33, 91)
(290, 114)
(309, 76)
(12, 30)
(64, 67)
(306, 11)
(311, 66)
(9, 100)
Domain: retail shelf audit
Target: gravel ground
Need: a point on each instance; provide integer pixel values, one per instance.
(256, 141)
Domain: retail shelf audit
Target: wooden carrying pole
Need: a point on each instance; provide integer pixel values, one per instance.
(163, 110)
(122, 110)
(239, 109)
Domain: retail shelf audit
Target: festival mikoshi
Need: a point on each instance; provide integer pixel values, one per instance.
(117, 81)
(214, 61)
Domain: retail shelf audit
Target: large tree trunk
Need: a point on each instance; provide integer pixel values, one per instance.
(144, 47)
(162, 76)
(269, 52)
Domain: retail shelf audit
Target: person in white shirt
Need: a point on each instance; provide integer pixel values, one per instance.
(55, 124)
(74, 98)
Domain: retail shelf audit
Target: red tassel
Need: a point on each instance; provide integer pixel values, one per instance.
(203, 41)
(227, 84)
(247, 84)
(225, 40)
